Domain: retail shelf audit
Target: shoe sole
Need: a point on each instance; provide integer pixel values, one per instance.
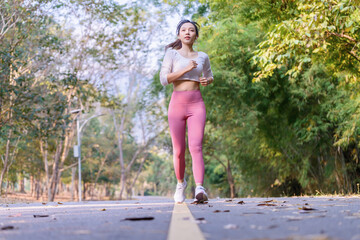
(200, 197)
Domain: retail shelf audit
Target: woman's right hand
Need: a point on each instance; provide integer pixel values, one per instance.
(172, 77)
(192, 64)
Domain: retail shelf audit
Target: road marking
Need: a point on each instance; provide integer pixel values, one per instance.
(183, 225)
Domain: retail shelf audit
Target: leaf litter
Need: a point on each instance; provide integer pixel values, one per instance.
(139, 219)
(267, 203)
(216, 211)
(197, 202)
(200, 220)
(40, 215)
(7, 227)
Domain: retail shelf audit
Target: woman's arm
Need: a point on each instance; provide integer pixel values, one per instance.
(166, 74)
(208, 75)
(172, 77)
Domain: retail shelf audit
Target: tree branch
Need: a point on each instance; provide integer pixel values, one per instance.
(342, 36)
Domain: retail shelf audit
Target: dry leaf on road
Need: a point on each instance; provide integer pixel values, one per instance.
(139, 219)
(7, 227)
(37, 216)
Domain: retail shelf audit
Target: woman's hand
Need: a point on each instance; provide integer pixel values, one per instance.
(192, 64)
(205, 81)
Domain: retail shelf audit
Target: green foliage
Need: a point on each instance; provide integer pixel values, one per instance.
(283, 110)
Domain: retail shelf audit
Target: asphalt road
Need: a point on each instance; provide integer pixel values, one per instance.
(314, 218)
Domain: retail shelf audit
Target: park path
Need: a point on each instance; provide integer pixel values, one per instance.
(315, 218)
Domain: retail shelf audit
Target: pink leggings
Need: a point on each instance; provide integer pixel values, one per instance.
(187, 106)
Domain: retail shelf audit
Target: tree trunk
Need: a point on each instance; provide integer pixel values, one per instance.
(55, 171)
(138, 172)
(230, 179)
(66, 147)
(84, 192)
(119, 136)
(5, 161)
(22, 183)
(32, 186)
(44, 153)
(38, 188)
(101, 167)
(229, 175)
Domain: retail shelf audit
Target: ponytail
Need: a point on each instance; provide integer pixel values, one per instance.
(174, 45)
(177, 44)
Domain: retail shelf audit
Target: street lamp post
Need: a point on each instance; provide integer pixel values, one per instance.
(78, 149)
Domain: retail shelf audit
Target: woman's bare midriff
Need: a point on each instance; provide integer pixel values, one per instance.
(186, 85)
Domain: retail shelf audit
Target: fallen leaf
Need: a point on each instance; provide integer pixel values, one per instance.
(196, 202)
(7, 227)
(104, 209)
(272, 226)
(44, 203)
(216, 211)
(266, 204)
(241, 202)
(307, 208)
(60, 203)
(228, 200)
(268, 201)
(139, 219)
(36, 216)
(230, 226)
(15, 215)
(200, 220)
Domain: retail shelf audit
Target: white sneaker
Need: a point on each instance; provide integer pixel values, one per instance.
(179, 195)
(200, 194)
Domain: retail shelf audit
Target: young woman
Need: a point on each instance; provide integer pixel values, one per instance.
(186, 70)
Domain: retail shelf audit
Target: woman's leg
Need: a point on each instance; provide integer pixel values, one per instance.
(196, 125)
(177, 125)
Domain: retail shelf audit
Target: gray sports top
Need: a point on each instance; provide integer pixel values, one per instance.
(174, 61)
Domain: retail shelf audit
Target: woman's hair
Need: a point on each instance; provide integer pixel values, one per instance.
(177, 44)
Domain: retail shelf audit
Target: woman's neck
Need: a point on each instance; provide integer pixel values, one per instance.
(186, 48)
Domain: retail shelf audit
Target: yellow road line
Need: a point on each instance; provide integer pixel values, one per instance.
(183, 225)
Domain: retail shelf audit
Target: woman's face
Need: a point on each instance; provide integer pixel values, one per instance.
(187, 33)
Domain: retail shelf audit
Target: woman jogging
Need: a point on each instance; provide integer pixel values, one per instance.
(186, 70)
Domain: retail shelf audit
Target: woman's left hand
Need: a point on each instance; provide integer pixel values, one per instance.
(205, 81)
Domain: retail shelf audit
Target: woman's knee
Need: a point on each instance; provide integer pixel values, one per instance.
(179, 153)
(195, 149)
